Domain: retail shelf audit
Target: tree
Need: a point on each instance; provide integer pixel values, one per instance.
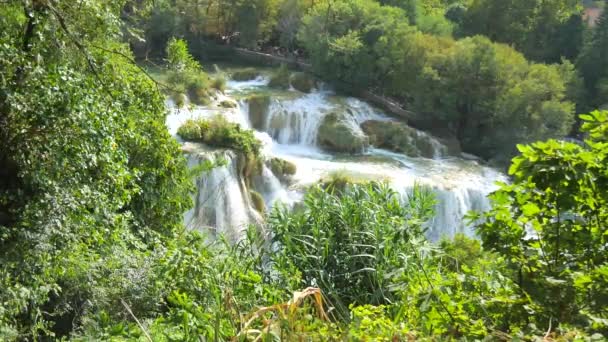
(550, 223)
(593, 63)
(531, 26)
(91, 177)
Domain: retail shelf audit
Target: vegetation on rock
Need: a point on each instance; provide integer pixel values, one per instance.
(257, 201)
(281, 167)
(219, 132)
(280, 78)
(227, 104)
(245, 74)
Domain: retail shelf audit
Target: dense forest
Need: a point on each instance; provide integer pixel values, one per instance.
(93, 186)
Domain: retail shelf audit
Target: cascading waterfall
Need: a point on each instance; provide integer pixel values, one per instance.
(221, 201)
(289, 132)
(296, 121)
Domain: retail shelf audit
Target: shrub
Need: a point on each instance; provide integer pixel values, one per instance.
(219, 83)
(245, 74)
(349, 245)
(179, 99)
(280, 79)
(198, 89)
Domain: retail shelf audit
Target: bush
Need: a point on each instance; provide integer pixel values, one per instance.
(218, 132)
(219, 83)
(245, 74)
(280, 79)
(198, 89)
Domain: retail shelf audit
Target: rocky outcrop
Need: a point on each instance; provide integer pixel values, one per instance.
(339, 134)
(258, 110)
(399, 137)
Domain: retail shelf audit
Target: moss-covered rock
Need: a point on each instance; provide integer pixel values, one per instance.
(258, 110)
(280, 79)
(219, 132)
(302, 81)
(281, 168)
(338, 134)
(399, 137)
(257, 201)
(227, 104)
(245, 74)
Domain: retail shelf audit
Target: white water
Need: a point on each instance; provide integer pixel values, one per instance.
(222, 202)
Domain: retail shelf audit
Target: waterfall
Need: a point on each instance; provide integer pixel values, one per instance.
(289, 131)
(221, 200)
(296, 121)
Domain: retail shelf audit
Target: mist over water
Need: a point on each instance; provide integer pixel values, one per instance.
(289, 131)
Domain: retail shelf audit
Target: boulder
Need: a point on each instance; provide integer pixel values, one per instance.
(399, 137)
(339, 134)
(258, 110)
(302, 81)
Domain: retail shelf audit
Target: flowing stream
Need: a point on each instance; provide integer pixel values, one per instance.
(289, 131)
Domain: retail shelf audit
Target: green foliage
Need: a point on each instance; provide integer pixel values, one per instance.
(472, 88)
(593, 64)
(550, 225)
(534, 27)
(349, 245)
(245, 74)
(280, 78)
(186, 75)
(179, 58)
(219, 132)
(91, 179)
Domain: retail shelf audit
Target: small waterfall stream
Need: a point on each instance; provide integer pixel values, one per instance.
(290, 126)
